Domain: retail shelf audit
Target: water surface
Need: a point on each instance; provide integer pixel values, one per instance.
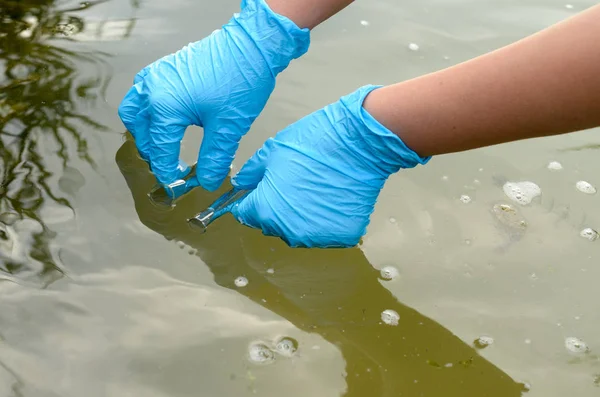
(103, 294)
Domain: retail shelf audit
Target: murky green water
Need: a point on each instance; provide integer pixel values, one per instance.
(103, 294)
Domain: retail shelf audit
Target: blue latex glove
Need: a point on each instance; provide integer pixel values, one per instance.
(316, 182)
(221, 83)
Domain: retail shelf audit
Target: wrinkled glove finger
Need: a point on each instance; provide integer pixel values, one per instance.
(252, 212)
(216, 154)
(248, 212)
(165, 145)
(253, 170)
(133, 111)
(141, 74)
(142, 134)
(130, 107)
(132, 102)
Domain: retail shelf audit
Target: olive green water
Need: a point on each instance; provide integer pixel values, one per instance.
(103, 294)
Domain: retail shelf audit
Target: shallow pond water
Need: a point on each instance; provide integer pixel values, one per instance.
(104, 294)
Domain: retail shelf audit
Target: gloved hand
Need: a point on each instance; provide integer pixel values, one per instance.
(221, 83)
(316, 182)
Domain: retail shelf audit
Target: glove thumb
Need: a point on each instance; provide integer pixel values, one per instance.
(253, 171)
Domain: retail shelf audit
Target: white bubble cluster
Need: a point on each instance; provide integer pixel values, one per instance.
(569, 6)
(576, 345)
(484, 341)
(590, 234)
(555, 166)
(241, 282)
(389, 273)
(286, 346)
(259, 353)
(522, 192)
(271, 271)
(364, 23)
(390, 317)
(585, 187)
(465, 199)
(413, 47)
(66, 29)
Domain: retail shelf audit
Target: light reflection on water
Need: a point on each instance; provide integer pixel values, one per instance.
(40, 94)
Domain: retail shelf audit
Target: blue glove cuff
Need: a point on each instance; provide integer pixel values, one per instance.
(382, 148)
(278, 38)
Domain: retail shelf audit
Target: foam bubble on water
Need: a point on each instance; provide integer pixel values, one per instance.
(522, 192)
(392, 220)
(444, 178)
(576, 345)
(66, 29)
(465, 199)
(483, 341)
(413, 47)
(271, 271)
(241, 282)
(555, 166)
(569, 6)
(259, 353)
(585, 187)
(389, 273)
(364, 23)
(390, 317)
(286, 346)
(533, 276)
(590, 234)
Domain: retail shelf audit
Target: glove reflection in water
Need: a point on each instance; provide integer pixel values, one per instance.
(333, 292)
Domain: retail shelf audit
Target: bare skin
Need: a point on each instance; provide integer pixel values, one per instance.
(546, 84)
(308, 13)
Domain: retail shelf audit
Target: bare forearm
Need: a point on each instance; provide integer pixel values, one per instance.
(546, 84)
(308, 13)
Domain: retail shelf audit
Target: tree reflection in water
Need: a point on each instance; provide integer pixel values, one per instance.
(41, 90)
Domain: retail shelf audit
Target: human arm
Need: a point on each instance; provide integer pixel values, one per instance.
(308, 13)
(545, 84)
(316, 182)
(220, 83)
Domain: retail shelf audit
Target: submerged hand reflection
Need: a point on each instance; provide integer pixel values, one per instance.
(335, 293)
